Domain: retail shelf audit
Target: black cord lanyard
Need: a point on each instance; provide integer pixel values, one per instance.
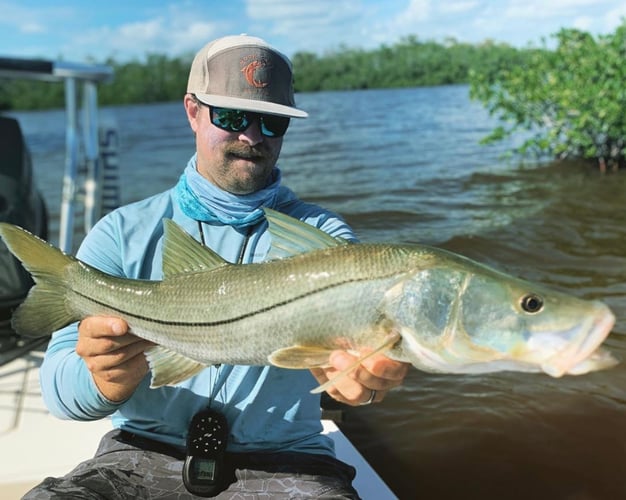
(244, 246)
(204, 472)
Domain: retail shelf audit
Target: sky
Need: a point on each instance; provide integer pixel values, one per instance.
(82, 30)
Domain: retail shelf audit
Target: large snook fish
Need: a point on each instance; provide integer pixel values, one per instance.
(435, 309)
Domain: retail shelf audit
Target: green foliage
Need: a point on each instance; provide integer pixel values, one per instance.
(25, 94)
(405, 64)
(571, 99)
(408, 63)
(158, 79)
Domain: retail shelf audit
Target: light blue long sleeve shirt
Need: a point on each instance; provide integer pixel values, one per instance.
(267, 408)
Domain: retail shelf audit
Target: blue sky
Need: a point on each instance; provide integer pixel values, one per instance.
(124, 30)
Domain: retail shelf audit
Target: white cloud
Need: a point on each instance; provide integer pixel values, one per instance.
(141, 32)
(583, 23)
(613, 18)
(276, 10)
(417, 11)
(456, 7)
(557, 5)
(32, 20)
(32, 27)
(309, 26)
(76, 30)
(175, 33)
(540, 9)
(304, 16)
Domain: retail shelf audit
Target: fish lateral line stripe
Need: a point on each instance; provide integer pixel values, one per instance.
(228, 320)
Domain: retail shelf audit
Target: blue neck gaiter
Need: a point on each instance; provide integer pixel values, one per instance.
(203, 201)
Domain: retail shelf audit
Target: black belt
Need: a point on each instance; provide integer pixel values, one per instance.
(150, 444)
(295, 462)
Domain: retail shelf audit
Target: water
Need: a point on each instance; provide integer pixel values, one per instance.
(405, 166)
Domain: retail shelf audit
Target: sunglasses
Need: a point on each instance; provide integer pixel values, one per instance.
(236, 120)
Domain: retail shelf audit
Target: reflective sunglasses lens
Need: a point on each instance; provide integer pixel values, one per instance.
(274, 126)
(235, 120)
(232, 120)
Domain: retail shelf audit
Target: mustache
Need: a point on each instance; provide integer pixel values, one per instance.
(257, 152)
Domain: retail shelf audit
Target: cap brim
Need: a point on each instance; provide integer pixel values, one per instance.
(271, 108)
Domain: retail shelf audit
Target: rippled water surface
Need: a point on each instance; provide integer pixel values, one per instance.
(405, 166)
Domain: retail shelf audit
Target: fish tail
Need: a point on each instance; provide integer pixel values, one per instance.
(44, 309)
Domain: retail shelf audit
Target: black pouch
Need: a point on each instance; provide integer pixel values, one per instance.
(204, 470)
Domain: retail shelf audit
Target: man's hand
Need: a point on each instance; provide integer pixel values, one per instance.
(377, 373)
(113, 356)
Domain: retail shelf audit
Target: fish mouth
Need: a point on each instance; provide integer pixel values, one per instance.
(581, 357)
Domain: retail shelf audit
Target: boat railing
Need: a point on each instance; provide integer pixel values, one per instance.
(89, 176)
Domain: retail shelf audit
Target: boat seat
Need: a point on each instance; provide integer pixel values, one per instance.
(18, 205)
(14, 155)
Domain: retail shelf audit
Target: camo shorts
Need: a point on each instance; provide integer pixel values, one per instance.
(127, 467)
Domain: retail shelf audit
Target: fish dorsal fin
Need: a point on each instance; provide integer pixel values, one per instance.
(183, 254)
(291, 236)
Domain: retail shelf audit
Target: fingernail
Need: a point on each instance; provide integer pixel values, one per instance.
(117, 327)
(339, 359)
(334, 357)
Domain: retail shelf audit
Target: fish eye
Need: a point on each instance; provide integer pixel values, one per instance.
(531, 303)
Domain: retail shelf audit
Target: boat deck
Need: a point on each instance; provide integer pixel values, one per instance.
(35, 444)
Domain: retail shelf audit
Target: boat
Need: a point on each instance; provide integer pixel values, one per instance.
(90, 179)
(21, 203)
(34, 444)
(25, 424)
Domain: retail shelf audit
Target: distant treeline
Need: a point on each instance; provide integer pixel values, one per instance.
(408, 63)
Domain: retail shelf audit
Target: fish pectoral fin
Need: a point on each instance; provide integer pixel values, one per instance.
(299, 357)
(390, 340)
(169, 367)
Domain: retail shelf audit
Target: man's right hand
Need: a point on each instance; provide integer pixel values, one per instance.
(113, 356)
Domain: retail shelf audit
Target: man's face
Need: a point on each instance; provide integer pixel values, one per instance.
(237, 162)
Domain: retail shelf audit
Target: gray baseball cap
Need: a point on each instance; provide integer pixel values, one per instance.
(244, 72)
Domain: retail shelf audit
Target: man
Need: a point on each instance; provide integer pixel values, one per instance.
(239, 101)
